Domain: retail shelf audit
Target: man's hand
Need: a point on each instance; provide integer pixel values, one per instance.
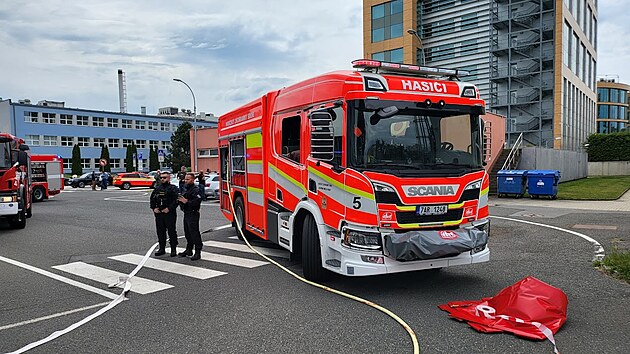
(165, 210)
(156, 210)
(183, 200)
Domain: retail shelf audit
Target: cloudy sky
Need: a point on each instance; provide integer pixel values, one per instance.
(229, 52)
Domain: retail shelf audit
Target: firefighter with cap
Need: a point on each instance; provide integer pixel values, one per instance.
(190, 202)
(164, 206)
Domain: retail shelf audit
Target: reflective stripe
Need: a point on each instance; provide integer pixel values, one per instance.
(483, 198)
(254, 140)
(456, 206)
(287, 182)
(340, 185)
(255, 195)
(341, 196)
(254, 166)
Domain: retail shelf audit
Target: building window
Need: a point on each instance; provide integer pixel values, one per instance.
(82, 120)
(446, 51)
(99, 142)
(50, 140)
(174, 127)
(468, 47)
(67, 163)
(113, 143)
(86, 164)
(31, 140)
(602, 95)
(114, 163)
(126, 123)
(166, 145)
(140, 124)
(469, 21)
(394, 55)
(65, 119)
(127, 142)
(83, 141)
(98, 121)
(67, 141)
(614, 95)
(153, 144)
(32, 117)
(208, 152)
(164, 126)
(387, 21)
(141, 144)
(49, 118)
(112, 122)
(153, 125)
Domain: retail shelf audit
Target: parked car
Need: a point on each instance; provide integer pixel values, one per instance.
(212, 186)
(133, 179)
(86, 180)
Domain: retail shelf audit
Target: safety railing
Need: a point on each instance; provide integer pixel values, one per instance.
(514, 154)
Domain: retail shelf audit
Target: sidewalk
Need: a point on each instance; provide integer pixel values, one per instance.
(622, 204)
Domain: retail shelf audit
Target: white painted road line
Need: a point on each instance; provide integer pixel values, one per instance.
(65, 313)
(233, 237)
(243, 248)
(170, 267)
(60, 278)
(236, 261)
(106, 276)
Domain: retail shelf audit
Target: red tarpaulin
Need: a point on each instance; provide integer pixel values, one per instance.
(529, 308)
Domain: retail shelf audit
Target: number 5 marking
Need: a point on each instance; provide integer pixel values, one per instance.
(356, 202)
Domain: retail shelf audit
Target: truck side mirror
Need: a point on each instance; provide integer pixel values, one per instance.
(322, 136)
(24, 147)
(22, 158)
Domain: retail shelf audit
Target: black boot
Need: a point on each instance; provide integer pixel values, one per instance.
(187, 252)
(160, 252)
(173, 251)
(197, 255)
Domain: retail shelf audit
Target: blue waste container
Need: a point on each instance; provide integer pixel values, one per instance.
(543, 183)
(511, 183)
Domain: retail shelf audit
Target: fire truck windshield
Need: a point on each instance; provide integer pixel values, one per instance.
(5, 155)
(401, 138)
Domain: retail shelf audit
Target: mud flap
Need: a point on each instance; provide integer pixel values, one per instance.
(430, 244)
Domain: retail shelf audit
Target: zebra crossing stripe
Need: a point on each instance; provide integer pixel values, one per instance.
(236, 261)
(243, 248)
(170, 267)
(106, 276)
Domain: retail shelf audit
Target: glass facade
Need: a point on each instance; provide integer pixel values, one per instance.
(612, 109)
(394, 55)
(387, 21)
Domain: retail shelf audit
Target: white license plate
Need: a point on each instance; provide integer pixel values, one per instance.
(432, 210)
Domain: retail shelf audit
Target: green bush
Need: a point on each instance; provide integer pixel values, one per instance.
(609, 147)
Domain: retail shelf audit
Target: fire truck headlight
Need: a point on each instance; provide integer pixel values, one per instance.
(9, 199)
(473, 185)
(378, 187)
(362, 240)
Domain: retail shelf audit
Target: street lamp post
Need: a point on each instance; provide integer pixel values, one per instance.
(194, 121)
(415, 33)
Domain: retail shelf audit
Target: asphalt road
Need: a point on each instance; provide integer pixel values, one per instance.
(263, 310)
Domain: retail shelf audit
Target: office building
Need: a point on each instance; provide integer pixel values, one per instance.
(454, 34)
(613, 114)
(51, 128)
(542, 68)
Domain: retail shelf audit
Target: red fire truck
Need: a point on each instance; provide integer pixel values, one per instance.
(47, 176)
(15, 180)
(372, 171)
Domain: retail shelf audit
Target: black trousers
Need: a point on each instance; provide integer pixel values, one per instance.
(166, 222)
(191, 230)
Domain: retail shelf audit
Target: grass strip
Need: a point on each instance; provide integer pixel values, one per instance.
(594, 188)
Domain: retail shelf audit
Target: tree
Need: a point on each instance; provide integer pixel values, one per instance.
(129, 161)
(77, 169)
(105, 156)
(154, 162)
(179, 153)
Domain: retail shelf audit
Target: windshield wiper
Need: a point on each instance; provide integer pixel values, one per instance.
(437, 164)
(390, 164)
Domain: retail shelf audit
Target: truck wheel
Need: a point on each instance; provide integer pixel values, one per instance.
(18, 221)
(126, 186)
(39, 194)
(81, 184)
(239, 214)
(311, 251)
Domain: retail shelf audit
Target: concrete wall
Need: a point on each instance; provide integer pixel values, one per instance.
(609, 168)
(571, 164)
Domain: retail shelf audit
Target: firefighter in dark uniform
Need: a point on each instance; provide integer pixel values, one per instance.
(190, 202)
(164, 206)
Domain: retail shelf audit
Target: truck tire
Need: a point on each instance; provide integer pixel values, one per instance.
(239, 214)
(18, 221)
(39, 194)
(81, 184)
(311, 251)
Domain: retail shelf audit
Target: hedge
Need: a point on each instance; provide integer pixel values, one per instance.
(609, 147)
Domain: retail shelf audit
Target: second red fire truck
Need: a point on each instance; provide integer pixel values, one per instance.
(47, 176)
(364, 172)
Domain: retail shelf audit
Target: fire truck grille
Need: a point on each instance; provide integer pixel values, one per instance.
(410, 217)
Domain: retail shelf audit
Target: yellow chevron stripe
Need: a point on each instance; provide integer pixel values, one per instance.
(254, 140)
(340, 185)
(288, 178)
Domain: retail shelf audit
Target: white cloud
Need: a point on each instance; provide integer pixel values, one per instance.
(613, 50)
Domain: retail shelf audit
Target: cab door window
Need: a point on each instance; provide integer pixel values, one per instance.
(291, 131)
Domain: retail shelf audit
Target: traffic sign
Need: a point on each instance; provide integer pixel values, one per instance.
(160, 155)
(139, 156)
(102, 162)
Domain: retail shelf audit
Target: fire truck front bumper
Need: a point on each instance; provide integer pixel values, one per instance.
(417, 250)
(8, 208)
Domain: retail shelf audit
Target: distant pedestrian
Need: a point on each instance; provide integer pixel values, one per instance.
(181, 176)
(164, 205)
(104, 180)
(201, 180)
(94, 180)
(190, 202)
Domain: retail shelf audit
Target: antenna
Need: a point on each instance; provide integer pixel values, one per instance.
(122, 91)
